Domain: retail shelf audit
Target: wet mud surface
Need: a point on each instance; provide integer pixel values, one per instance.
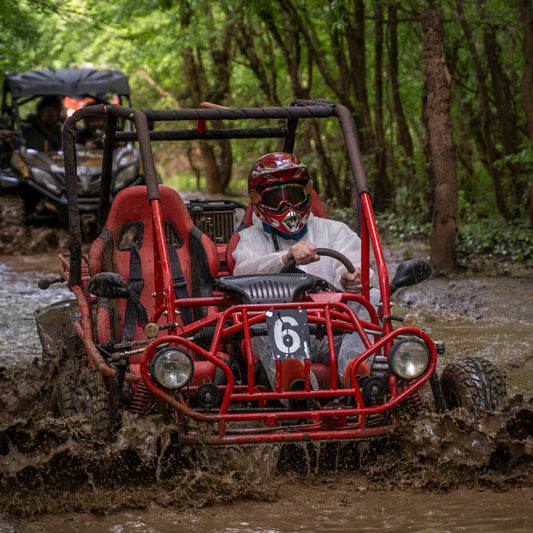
(438, 472)
(17, 238)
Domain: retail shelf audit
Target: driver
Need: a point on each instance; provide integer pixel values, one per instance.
(44, 132)
(283, 227)
(92, 135)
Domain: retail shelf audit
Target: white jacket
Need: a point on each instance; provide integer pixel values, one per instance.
(255, 251)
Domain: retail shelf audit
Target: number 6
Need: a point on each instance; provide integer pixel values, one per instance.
(286, 338)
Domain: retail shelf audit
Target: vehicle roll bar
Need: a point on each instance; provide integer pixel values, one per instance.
(142, 119)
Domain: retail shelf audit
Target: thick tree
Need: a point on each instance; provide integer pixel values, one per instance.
(489, 144)
(508, 133)
(442, 145)
(404, 135)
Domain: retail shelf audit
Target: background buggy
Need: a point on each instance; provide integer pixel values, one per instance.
(39, 177)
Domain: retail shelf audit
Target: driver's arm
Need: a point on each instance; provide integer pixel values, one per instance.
(253, 254)
(341, 238)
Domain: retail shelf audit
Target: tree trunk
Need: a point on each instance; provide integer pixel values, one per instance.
(327, 172)
(427, 155)
(443, 150)
(194, 73)
(355, 37)
(221, 54)
(208, 154)
(289, 33)
(260, 60)
(507, 122)
(526, 86)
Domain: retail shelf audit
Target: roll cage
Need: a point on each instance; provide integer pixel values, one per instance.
(19, 88)
(143, 121)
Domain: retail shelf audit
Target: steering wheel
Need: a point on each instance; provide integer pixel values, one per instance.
(291, 263)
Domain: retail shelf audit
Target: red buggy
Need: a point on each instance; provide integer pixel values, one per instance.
(166, 328)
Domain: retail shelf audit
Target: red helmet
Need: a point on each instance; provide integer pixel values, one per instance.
(280, 192)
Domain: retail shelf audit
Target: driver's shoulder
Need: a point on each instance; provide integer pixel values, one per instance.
(328, 225)
(250, 235)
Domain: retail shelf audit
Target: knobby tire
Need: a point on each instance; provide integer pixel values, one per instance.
(474, 384)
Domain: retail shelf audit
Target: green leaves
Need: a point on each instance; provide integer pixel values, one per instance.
(269, 52)
(513, 241)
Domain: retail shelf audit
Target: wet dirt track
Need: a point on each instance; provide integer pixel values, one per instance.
(438, 473)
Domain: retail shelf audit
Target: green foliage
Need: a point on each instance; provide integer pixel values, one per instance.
(495, 237)
(182, 181)
(20, 25)
(491, 237)
(488, 244)
(342, 214)
(171, 51)
(523, 157)
(394, 227)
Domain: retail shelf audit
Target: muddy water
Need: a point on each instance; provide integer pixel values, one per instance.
(438, 473)
(20, 296)
(323, 509)
(479, 317)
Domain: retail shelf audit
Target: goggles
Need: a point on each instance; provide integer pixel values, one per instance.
(294, 194)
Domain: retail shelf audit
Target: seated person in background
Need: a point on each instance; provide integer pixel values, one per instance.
(92, 135)
(44, 132)
(283, 227)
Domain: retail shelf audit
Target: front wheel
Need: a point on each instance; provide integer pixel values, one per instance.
(83, 392)
(474, 384)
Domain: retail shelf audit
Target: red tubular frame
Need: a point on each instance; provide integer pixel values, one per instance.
(252, 314)
(162, 260)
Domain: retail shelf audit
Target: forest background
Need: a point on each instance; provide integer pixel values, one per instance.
(441, 93)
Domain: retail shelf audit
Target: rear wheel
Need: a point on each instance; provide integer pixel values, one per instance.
(474, 384)
(83, 392)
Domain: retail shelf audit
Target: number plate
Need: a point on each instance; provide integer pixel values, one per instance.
(288, 334)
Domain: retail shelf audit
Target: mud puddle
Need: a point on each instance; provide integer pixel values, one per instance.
(338, 505)
(20, 297)
(437, 473)
(478, 317)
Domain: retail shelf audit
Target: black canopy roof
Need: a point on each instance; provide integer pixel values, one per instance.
(66, 82)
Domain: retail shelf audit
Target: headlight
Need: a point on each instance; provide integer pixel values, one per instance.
(45, 179)
(32, 157)
(172, 368)
(409, 358)
(88, 181)
(125, 177)
(126, 167)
